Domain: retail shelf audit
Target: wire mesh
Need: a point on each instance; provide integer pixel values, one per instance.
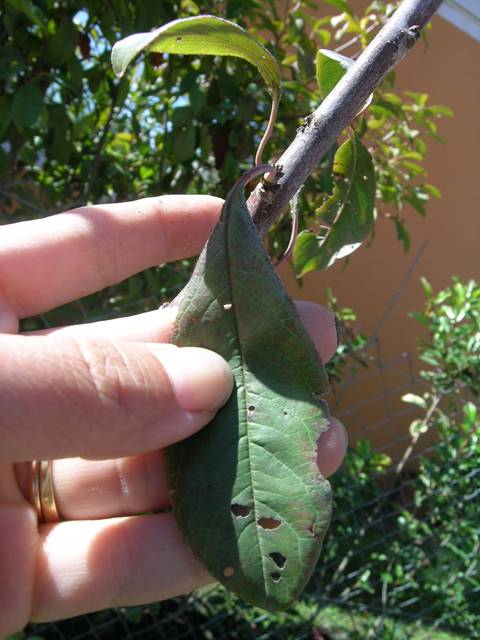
(355, 592)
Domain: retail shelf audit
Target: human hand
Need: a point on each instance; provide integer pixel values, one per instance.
(103, 400)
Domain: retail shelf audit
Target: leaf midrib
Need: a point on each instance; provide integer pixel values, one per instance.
(244, 377)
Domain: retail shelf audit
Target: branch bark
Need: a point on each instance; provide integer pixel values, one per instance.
(321, 128)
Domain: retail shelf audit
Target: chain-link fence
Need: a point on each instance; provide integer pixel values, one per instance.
(401, 558)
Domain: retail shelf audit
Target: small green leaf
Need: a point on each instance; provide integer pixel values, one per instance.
(417, 428)
(471, 413)
(347, 214)
(27, 105)
(61, 44)
(32, 12)
(200, 35)
(341, 5)
(402, 233)
(5, 113)
(427, 288)
(412, 398)
(246, 489)
(330, 68)
(184, 144)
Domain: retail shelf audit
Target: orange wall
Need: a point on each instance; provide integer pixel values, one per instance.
(448, 71)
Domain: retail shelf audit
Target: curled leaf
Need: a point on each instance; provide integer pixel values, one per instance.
(346, 218)
(205, 35)
(246, 489)
(199, 35)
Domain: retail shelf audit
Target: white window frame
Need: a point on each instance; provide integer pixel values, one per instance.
(464, 14)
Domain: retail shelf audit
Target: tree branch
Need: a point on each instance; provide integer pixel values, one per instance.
(321, 128)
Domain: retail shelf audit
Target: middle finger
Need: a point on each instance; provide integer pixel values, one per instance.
(90, 489)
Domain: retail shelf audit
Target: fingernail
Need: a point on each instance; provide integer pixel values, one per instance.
(201, 379)
(338, 329)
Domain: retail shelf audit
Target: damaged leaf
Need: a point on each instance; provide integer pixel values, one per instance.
(246, 489)
(346, 218)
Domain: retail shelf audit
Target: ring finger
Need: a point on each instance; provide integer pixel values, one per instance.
(91, 489)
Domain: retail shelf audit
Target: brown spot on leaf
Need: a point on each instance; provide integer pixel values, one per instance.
(240, 510)
(228, 572)
(268, 523)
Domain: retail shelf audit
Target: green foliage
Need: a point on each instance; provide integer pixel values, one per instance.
(452, 318)
(416, 550)
(70, 132)
(248, 494)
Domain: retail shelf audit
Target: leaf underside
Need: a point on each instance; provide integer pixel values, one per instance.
(246, 489)
(200, 35)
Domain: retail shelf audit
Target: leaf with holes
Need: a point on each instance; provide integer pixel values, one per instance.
(346, 218)
(246, 490)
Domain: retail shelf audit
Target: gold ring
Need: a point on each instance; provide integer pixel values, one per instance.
(42, 495)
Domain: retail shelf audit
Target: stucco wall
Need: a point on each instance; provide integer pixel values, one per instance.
(449, 72)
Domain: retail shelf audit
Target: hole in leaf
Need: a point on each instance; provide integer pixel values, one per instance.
(228, 572)
(179, 38)
(269, 523)
(227, 306)
(240, 510)
(279, 559)
(251, 408)
(285, 413)
(276, 577)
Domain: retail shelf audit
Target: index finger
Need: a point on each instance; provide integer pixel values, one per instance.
(49, 262)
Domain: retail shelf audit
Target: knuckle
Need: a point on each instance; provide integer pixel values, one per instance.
(118, 381)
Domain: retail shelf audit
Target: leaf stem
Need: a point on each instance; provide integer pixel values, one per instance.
(294, 205)
(269, 129)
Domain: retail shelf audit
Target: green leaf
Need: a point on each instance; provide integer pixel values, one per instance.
(330, 69)
(246, 489)
(33, 12)
(184, 144)
(5, 113)
(341, 5)
(61, 45)
(412, 398)
(200, 35)
(347, 213)
(402, 233)
(27, 105)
